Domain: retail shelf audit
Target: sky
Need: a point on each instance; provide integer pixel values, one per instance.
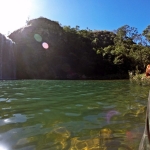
(92, 14)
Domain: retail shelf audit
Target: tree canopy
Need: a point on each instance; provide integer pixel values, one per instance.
(75, 52)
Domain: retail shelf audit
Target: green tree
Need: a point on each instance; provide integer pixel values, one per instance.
(126, 32)
(146, 33)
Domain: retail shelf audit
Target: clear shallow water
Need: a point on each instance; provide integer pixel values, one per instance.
(71, 115)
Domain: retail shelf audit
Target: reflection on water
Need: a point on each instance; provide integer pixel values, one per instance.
(71, 115)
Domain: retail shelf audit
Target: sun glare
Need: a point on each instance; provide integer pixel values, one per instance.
(2, 148)
(14, 13)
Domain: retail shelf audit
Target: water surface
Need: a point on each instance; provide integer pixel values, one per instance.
(71, 115)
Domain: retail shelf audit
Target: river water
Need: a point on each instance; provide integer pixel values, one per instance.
(71, 115)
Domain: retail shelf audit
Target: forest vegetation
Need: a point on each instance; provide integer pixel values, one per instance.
(76, 53)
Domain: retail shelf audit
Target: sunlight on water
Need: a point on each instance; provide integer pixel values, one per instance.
(42, 114)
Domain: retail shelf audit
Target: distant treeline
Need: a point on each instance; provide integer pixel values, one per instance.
(80, 54)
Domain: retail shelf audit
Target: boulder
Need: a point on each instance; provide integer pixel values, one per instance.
(37, 49)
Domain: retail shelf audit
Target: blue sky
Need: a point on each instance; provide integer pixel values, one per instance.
(98, 14)
(94, 14)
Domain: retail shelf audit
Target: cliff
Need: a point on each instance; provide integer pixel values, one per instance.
(33, 60)
(46, 50)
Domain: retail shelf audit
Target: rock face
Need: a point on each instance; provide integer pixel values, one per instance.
(7, 58)
(45, 50)
(37, 49)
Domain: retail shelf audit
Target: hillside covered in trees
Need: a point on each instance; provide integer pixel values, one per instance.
(71, 53)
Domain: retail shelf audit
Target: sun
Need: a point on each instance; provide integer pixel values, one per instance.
(13, 14)
(3, 148)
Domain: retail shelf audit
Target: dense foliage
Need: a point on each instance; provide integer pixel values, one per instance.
(79, 54)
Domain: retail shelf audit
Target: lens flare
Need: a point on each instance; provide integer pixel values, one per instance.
(45, 45)
(37, 37)
(110, 114)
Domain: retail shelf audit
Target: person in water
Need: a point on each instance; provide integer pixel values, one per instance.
(148, 70)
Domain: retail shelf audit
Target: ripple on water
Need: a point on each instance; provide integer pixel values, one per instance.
(2, 99)
(91, 118)
(100, 103)
(79, 105)
(34, 98)
(6, 108)
(15, 119)
(8, 100)
(109, 107)
(22, 141)
(68, 107)
(19, 94)
(40, 113)
(72, 114)
(20, 88)
(47, 110)
(92, 107)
